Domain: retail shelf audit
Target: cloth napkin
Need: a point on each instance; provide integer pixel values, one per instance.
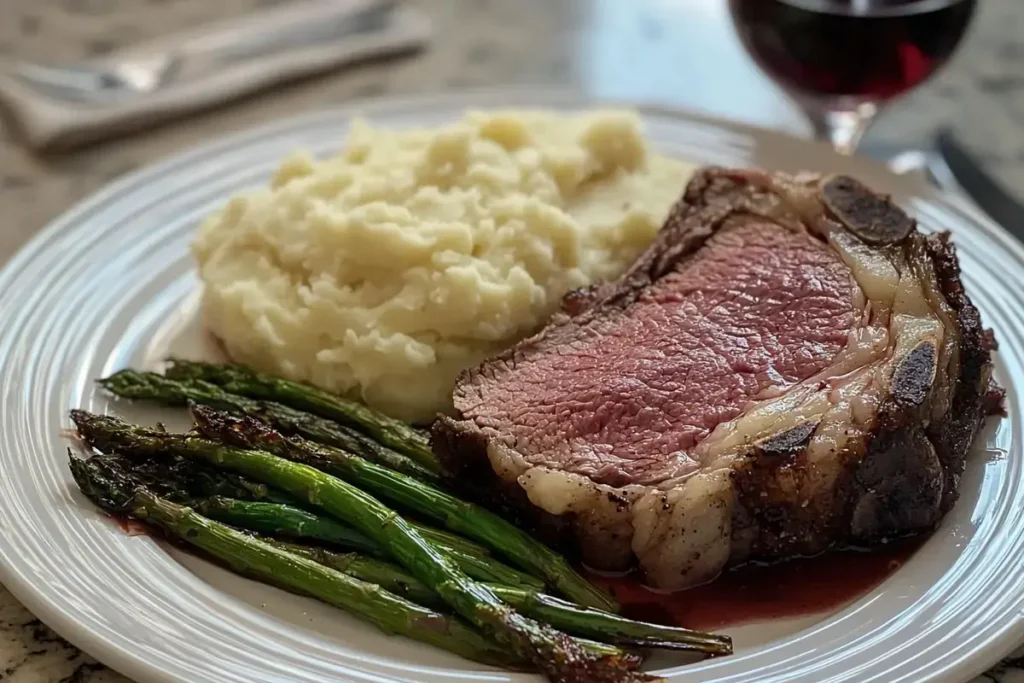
(60, 107)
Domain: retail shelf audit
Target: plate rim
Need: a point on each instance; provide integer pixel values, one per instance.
(136, 666)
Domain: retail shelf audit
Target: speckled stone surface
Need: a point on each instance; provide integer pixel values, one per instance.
(636, 49)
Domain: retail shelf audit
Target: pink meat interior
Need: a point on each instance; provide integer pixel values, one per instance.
(625, 400)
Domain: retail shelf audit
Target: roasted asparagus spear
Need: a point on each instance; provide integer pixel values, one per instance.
(559, 656)
(581, 621)
(184, 481)
(425, 500)
(278, 519)
(154, 387)
(262, 561)
(292, 522)
(241, 380)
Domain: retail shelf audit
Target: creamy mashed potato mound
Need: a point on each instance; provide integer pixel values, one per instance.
(385, 271)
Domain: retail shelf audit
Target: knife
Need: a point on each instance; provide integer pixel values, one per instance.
(956, 163)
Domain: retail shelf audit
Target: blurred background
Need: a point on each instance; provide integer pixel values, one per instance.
(679, 52)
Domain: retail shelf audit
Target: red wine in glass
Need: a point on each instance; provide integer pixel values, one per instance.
(849, 55)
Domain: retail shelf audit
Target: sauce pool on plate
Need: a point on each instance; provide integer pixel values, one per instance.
(754, 592)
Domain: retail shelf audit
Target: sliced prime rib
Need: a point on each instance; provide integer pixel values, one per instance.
(791, 365)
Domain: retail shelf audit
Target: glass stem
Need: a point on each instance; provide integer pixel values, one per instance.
(843, 129)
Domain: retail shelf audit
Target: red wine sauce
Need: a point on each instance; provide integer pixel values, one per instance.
(763, 592)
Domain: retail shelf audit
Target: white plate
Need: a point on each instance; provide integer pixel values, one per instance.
(110, 284)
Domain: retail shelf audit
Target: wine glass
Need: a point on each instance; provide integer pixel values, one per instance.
(843, 59)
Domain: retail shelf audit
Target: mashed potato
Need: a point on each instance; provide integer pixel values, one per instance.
(414, 254)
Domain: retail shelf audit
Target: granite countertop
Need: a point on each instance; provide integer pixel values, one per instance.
(643, 49)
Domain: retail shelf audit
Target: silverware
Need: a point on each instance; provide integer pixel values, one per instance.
(955, 164)
(57, 105)
(219, 47)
